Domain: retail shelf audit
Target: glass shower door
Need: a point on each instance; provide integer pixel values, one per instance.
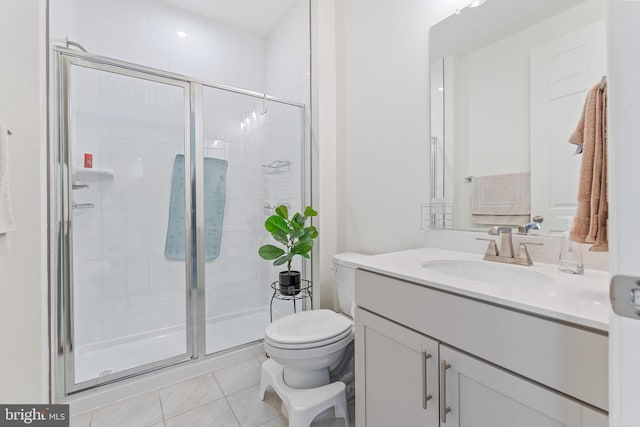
(127, 202)
(258, 145)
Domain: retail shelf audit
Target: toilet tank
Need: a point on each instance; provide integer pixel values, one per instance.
(345, 279)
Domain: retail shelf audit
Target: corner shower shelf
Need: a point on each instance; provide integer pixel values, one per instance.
(277, 167)
(81, 173)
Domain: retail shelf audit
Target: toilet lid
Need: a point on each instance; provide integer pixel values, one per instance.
(308, 327)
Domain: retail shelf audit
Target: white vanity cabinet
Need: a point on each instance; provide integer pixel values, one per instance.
(504, 368)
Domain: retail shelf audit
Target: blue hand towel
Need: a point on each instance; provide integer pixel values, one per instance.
(215, 176)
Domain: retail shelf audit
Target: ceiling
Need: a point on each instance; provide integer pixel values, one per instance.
(257, 17)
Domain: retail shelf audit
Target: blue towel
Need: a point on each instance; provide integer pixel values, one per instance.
(215, 175)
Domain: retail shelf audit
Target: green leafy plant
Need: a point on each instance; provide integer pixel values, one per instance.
(291, 233)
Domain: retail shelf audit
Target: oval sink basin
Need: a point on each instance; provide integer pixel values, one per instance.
(486, 271)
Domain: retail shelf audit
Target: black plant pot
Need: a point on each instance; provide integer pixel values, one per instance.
(289, 283)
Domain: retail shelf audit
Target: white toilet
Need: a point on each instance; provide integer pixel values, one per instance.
(311, 343)
(304, 347)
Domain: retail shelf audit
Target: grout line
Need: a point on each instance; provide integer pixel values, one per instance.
(161, 408)
(242, 389)
(235, 416)
(192, 409)
(233, 412)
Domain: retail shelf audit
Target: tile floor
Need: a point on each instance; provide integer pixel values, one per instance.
(226, 397)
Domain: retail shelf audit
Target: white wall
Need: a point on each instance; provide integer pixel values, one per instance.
(383, 104)
(382, 149)
(23, 282)
(380, 169)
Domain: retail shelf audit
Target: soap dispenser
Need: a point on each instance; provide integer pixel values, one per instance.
(570, 258)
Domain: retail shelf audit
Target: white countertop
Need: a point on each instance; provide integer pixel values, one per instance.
(578, 299)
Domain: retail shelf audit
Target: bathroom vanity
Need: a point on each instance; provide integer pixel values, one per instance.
(476, 343)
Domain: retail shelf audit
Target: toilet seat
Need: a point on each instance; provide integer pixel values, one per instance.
(302, 346)
(308, 329)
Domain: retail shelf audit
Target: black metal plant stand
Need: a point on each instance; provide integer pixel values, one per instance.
(305, 292)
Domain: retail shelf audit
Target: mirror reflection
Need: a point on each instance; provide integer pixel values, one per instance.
(508, 85)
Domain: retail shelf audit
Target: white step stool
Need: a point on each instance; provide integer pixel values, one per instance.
(303, 405)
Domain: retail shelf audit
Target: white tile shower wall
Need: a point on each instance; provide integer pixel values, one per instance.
(287, 56)
(123, 285)
(146, 32)
(234, 281)
(287, 77)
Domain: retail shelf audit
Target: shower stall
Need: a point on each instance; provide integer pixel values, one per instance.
(161, 187)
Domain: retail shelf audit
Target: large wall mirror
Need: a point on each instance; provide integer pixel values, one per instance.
(508, 83)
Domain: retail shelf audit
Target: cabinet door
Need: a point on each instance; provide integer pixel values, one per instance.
(396, 372)
(593, 418)
(481, 395)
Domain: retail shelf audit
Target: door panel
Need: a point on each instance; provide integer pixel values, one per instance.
(562, 72)
(128, 291)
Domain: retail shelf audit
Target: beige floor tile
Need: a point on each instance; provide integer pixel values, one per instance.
(189, 394)
(81, 420)
(252, 411)
(235, 378)
(143, 410)
(217, 414)
(158, 425)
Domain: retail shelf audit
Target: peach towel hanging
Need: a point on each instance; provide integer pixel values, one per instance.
(591, 219)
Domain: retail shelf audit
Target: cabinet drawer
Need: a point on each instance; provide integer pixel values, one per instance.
(569, 359)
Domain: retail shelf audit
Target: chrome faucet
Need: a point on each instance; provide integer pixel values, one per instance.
(506, 253)
(524, 229)
(534, 225)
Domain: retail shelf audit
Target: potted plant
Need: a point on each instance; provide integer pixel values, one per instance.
(296, 239)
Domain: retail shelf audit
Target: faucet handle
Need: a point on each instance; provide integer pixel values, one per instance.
(492, 249)
(523, 253)
(523, 245)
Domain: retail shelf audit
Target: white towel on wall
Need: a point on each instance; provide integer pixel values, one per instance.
(7, 222)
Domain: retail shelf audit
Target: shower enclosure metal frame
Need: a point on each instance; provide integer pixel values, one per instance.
(61, 203)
